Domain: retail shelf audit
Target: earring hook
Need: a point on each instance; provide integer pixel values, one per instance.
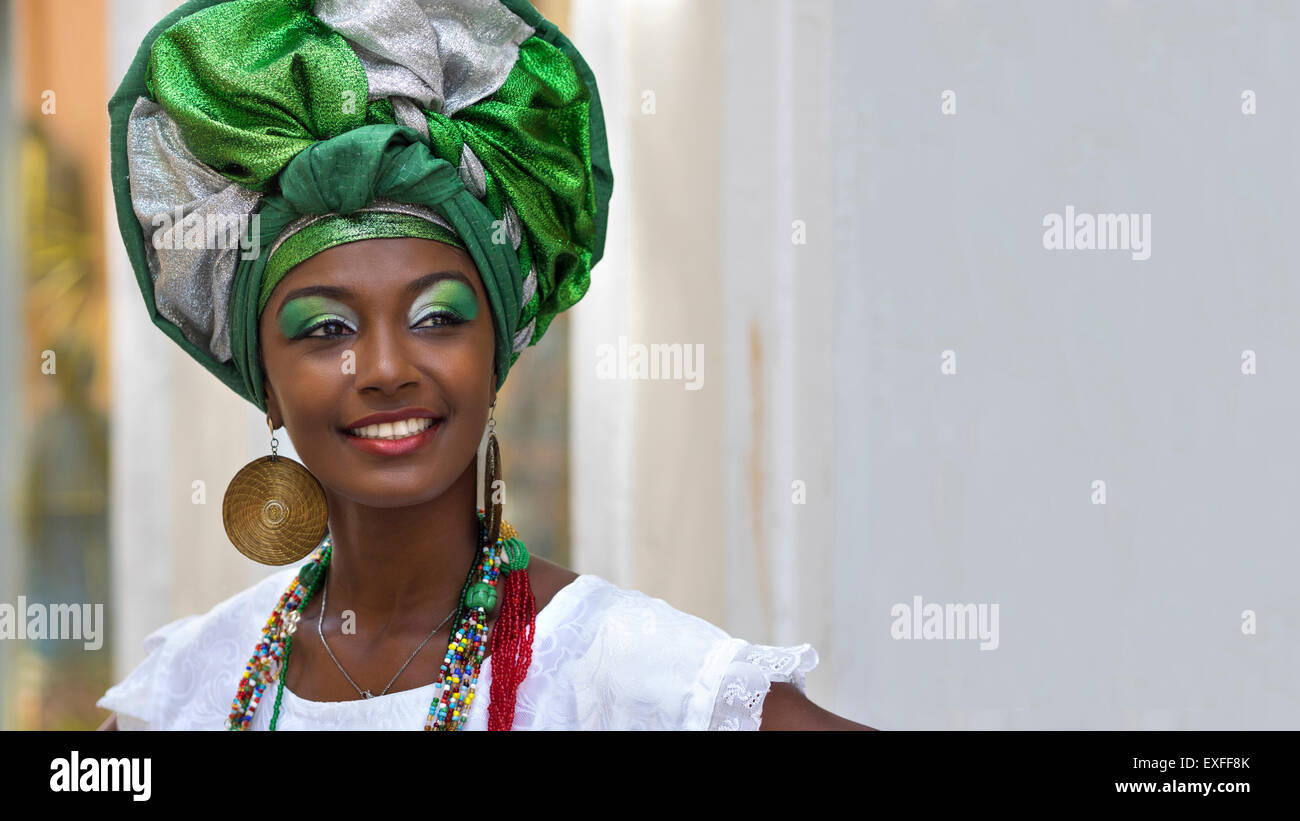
(274, 442)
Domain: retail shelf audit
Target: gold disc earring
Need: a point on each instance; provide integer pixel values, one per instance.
(492, 475)
(274, 509)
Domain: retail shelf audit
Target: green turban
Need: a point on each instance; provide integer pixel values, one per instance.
(249, 135)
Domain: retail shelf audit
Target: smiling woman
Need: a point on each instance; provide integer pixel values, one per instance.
(408, 250)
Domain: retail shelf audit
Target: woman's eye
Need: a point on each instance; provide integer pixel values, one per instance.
(333, 327)
(438, 319)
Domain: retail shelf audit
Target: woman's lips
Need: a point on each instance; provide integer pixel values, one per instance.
(395, 447)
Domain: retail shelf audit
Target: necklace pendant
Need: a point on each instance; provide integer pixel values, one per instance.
(367, 694)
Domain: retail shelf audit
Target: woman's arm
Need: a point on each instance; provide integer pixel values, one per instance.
(111, 724)
(785, 708)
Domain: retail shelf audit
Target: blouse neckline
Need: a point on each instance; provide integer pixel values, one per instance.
(559, 607)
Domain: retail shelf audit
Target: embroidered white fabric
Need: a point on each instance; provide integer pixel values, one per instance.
(604, 658)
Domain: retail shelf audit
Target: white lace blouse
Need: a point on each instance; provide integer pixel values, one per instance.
(604, 658)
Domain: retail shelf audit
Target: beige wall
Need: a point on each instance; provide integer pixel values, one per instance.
(59, 48)
(649, 515)
(688, 495)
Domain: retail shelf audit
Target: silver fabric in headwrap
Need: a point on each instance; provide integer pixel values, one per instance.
(194, 220)
(409, 114)
(442, 54)
(472, 172)
(530, 285)
(514, 227)
(525, 334)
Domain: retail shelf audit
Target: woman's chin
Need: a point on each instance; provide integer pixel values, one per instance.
(394, 486)
(385, 494)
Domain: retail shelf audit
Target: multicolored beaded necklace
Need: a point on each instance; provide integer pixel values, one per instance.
(511, 648)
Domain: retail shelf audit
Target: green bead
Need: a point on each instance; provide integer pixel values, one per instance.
(307, 574)
(481, 594)
(514, 556)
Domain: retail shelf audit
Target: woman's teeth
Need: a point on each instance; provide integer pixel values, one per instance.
(393, 430)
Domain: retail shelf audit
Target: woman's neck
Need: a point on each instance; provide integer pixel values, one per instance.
(393, 563)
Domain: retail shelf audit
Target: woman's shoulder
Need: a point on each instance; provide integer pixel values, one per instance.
(546, 579)
(608, 608)
(652, 665)
(192, 665)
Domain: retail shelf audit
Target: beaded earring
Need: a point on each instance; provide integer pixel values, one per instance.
(274, 510)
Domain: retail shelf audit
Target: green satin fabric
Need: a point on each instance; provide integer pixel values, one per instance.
(271, 98)
(253, 82)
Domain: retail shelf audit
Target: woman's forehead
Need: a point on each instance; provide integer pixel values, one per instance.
(376, 266)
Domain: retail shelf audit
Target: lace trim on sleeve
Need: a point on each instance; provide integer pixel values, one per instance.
(749, 676)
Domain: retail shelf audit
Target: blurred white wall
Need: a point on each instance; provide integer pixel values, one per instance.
(718, 116)
(924, 235)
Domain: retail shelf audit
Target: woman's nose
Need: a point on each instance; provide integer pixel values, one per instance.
(382, 360)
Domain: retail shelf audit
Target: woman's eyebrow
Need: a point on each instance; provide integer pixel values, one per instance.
(428, 279)
(331, 291)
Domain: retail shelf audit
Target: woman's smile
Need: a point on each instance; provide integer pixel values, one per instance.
(394, 433)
(395, 445)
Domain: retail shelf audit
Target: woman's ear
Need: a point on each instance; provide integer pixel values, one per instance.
(272, 407)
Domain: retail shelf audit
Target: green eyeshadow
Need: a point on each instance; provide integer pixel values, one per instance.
(446, 295)
(299, 315)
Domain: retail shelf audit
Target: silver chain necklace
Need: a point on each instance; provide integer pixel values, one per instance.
(320, 619)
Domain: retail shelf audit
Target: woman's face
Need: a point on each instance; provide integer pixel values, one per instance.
(398, 328)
